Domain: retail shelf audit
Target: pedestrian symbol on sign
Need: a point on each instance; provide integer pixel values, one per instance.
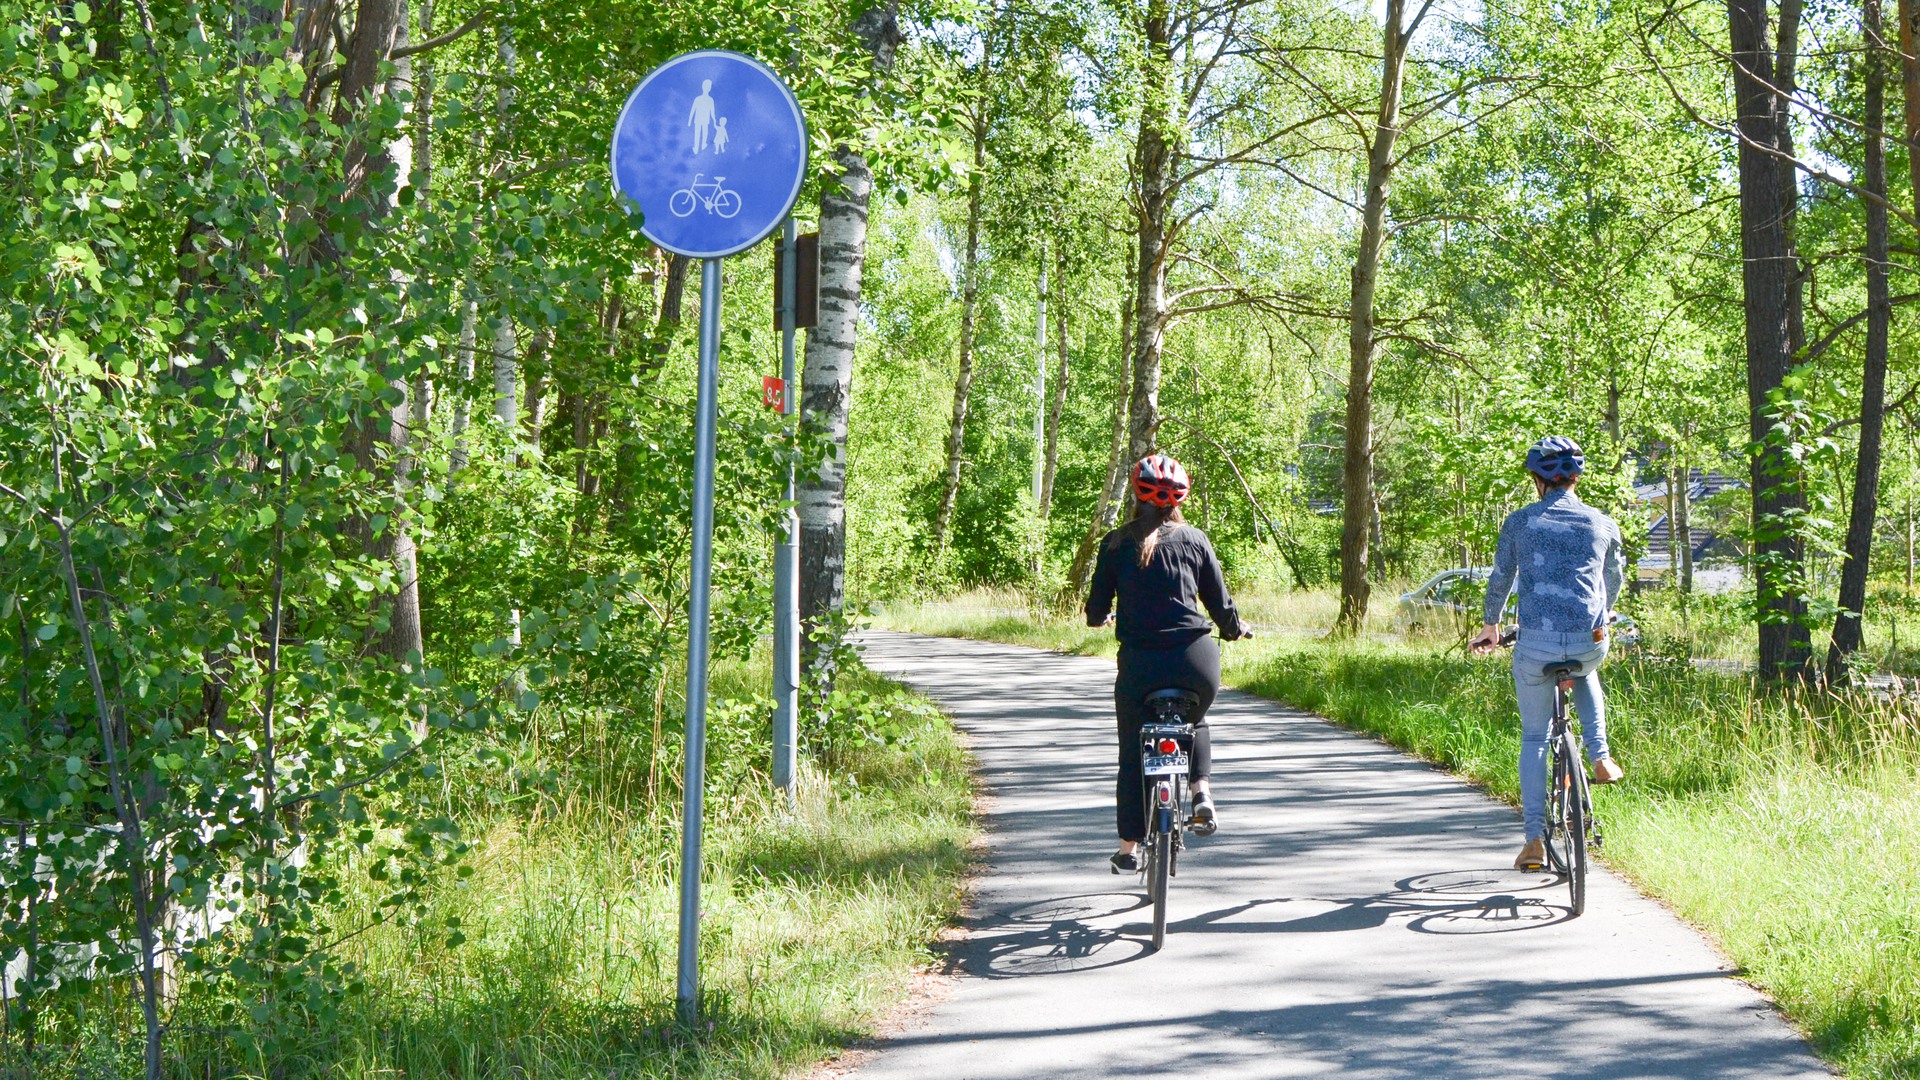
(701, 118)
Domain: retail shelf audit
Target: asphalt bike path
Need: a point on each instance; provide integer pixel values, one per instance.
(1354, 917)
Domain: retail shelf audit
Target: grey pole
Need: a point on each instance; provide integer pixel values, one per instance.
(697, 613)
(1040, 382)
(786, 556)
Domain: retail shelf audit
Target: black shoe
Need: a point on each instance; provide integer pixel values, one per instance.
(1125, 862)
(1204, 821)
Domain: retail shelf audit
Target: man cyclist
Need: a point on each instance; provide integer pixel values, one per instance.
(1566, 558)
(1162, 571)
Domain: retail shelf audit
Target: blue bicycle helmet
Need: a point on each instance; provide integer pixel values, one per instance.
(1556, 457)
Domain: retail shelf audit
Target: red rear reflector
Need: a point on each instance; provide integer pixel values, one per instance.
(1168, 746)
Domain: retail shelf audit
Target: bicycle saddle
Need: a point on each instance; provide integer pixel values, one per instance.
(1561, 671)
(1173, 699)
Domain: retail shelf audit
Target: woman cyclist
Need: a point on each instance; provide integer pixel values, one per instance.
(1163, 571)
(1565, 558)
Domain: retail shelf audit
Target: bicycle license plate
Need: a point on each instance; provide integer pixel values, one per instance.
(1165, 764)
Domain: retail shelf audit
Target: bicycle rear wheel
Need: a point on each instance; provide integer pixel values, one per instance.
(1576, 819)
(1559, 784)
(1159, 862)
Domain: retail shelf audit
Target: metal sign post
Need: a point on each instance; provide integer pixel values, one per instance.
(1039, 383)
(786, 554)
(712, 148)
(688, 991)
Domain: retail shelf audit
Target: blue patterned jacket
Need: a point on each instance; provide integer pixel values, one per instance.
(1566, 558)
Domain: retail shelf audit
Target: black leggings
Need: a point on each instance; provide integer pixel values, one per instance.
(1195, 667)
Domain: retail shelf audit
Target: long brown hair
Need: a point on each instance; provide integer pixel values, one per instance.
(1144, 529)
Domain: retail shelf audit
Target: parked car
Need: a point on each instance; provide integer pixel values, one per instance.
(1452, 599)
(1448, 600)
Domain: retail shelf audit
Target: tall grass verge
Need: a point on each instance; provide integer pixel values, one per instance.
(1786, 826)
(551, 953)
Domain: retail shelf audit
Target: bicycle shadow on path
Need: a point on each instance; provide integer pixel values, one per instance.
(1089, 930)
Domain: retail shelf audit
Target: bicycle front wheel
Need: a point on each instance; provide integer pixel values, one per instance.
(681, 204)
(1159, 862)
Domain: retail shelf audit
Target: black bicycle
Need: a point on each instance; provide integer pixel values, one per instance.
(1572, 829)
(1166, 747)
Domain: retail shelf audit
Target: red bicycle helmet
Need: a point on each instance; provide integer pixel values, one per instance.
(1160, 480)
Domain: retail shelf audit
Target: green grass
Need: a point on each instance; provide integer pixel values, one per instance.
(815, 919)
(816, 916)
(1786, 828)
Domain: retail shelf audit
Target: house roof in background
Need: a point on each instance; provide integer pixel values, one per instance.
(1704, 485)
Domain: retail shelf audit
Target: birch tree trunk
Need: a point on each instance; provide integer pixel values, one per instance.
(1113, 492)
(827, 382)
(969, 300)
(672, 295)
(506, 372)
(1683, 528)
(1153, 164)
(1058, 403)
(506, 361)
(537, 365)
(421, 76)
(1847, 625)
(380, 27)
(1768, 197)
(1359, 512)
(462, 409)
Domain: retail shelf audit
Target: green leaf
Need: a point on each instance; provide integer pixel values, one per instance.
(46, 631)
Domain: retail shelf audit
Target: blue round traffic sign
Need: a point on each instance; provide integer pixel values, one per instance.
(713, 148)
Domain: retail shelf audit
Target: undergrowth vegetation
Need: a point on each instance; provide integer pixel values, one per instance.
(551, 951)
(1784, 825)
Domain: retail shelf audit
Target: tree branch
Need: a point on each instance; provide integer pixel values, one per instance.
(438, 40)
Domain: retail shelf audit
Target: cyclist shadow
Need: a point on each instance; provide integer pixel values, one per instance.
(1461, 902)
(1049, 937)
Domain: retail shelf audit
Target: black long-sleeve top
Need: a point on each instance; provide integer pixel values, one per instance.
(1160, 603)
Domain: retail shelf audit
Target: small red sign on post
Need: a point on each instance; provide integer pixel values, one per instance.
(773, 392)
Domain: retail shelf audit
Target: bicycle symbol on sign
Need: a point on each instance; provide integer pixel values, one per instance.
(717, 199)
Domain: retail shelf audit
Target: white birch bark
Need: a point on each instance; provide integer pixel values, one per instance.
(506, 366)
(827, 383)
(506, 371)
(469, 342)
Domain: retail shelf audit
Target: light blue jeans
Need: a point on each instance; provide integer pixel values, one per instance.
(1534, 690)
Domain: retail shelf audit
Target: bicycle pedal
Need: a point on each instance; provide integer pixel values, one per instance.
(1203, 828)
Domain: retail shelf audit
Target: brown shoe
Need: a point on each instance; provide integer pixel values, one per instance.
(1607, 771)
(1531, 857)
